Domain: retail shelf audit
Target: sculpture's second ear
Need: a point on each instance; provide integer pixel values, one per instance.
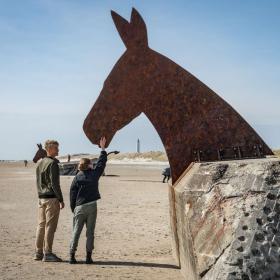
(133, 34)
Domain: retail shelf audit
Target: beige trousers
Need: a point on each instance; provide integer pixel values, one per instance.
(48, 213)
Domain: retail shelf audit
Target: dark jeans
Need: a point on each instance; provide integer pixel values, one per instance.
(165, 176)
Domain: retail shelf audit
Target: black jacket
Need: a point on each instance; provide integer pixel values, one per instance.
(84, 187)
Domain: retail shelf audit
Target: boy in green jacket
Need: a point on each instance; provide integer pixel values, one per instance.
(50, 203)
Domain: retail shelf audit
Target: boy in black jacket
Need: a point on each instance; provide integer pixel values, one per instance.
(83, 196)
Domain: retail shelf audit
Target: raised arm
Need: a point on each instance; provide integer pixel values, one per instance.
(101, 163)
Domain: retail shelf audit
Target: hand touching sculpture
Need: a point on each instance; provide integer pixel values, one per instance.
(102, 143)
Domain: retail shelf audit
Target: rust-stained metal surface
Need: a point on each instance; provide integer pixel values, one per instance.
(193, 122)
(41, 153)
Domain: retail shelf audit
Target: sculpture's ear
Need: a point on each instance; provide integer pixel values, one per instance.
(133, 34)
(139, 29)
(122, 26)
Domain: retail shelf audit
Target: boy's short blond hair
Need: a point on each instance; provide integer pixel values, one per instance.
(50, 143)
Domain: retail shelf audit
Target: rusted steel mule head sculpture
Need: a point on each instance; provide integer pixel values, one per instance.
(120, 100)
(193, 122)
(41, 153)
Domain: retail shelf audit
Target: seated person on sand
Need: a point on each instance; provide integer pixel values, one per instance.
(84, 194)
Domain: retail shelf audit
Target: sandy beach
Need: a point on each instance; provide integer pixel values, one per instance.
(132, 233)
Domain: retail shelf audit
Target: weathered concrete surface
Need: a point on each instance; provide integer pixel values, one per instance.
(225, 220)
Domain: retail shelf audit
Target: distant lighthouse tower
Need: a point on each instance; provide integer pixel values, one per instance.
(138, 146)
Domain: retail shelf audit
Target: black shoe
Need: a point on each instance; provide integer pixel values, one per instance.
(72, 258)
(38, 256)
(50, 257)
(89, 259)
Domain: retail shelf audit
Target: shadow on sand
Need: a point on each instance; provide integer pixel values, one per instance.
(127, 263)
(135, 180)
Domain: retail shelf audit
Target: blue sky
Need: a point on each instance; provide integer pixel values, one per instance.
(56, 54)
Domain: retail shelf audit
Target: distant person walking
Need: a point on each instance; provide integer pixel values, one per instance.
(166, 174)
(25, 163)
(50, 203)
(84, 194)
